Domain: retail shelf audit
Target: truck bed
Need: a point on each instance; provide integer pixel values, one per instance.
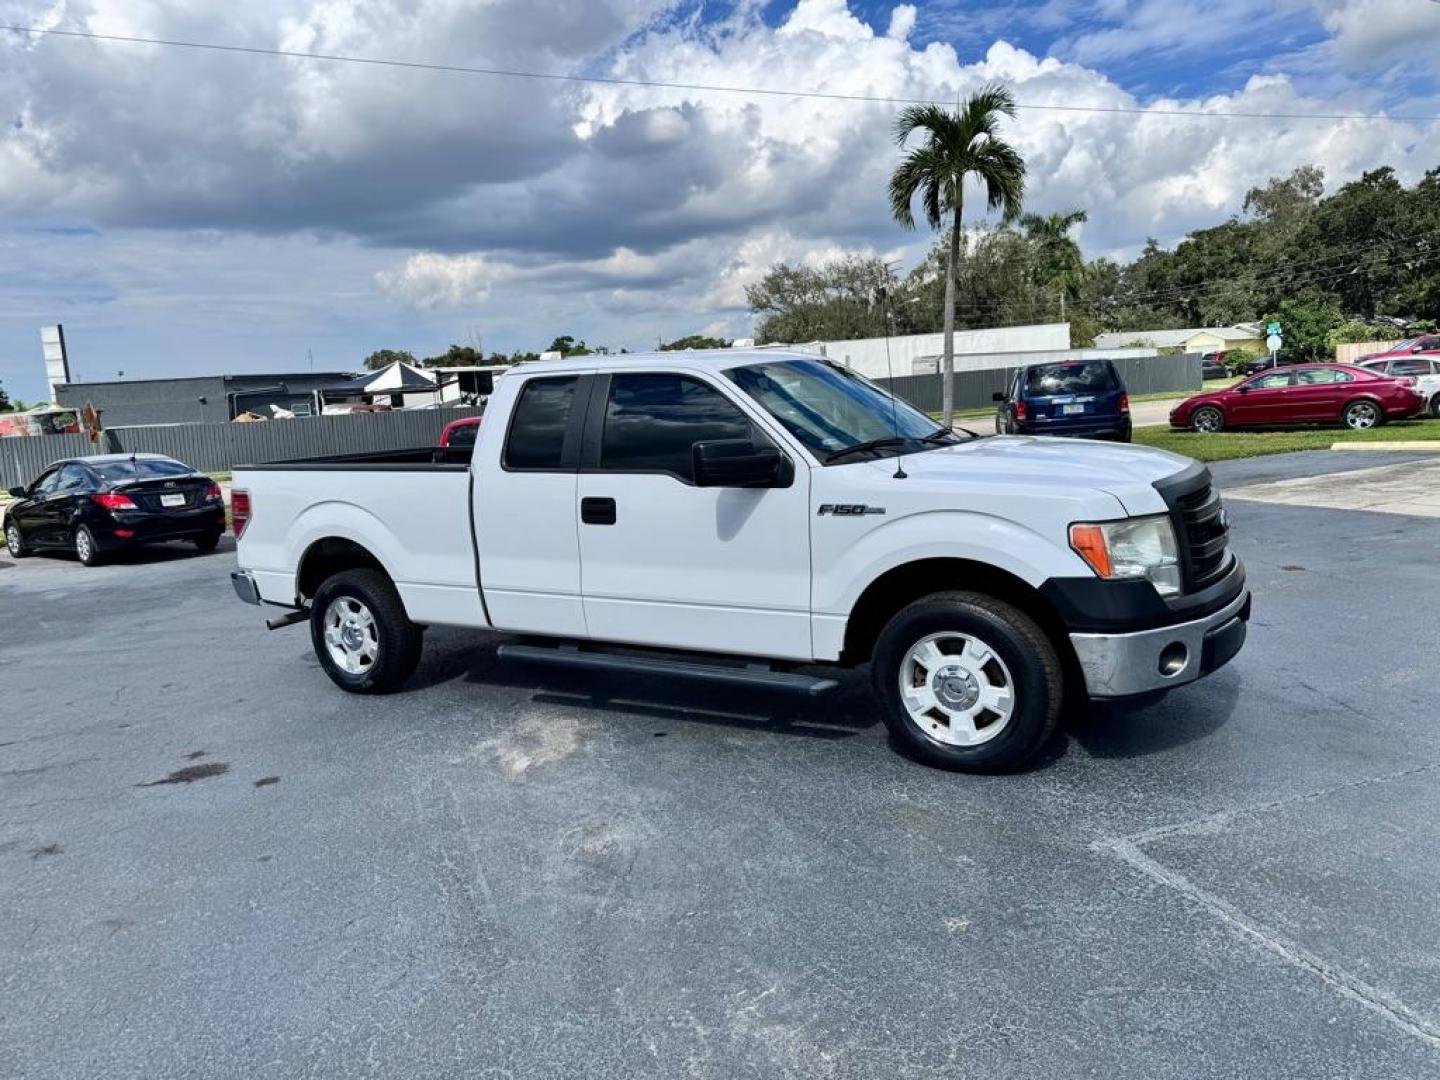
(410, 508)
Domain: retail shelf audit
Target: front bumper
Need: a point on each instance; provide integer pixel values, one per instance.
(1123, 665)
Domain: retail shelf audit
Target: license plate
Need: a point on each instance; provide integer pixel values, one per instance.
(172, 500)
(1072, 410)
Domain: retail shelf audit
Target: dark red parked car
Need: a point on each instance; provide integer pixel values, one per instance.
(461, 433)
(1303, 394)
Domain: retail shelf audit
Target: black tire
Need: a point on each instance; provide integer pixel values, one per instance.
(15, 542)
(1208, 411)
(396, 640)
(1033, 666)
(1351, 416)
(209, 542)
(1435, 407)
(86, 550)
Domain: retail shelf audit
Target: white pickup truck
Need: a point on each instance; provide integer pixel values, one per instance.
(738, 515)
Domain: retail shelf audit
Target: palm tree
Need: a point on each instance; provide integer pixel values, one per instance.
(1059, 263)
(957, 146)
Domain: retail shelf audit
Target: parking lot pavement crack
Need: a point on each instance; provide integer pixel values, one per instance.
(1347, 986)
(1214, 823)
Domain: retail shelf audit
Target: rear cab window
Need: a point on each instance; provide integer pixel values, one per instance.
(1086, 377)
(540, 426)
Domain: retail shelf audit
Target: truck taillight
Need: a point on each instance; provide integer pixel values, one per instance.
(1124, 403)
(239, 511)
(114, 501)
(1022, 411)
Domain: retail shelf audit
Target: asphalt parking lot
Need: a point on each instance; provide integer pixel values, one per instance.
(214, 864)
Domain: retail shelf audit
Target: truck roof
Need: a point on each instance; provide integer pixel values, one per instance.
(710, 360)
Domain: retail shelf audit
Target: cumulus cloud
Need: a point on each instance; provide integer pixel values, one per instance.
(428, 280)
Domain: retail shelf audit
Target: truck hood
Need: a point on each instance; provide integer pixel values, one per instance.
(1035, 462)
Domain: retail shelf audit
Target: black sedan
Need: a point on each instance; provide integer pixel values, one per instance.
(95, 505)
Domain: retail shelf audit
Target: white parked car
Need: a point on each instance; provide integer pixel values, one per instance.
(738, 515)
(1425, 370)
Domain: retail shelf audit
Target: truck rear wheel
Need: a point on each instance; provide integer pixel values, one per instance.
(968, 682)
(362, 636)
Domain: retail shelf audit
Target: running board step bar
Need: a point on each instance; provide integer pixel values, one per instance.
(756, 675)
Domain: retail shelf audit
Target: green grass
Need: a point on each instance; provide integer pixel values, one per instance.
(1227, 445)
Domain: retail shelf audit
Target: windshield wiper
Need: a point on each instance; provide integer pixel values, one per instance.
(941, 435)
(860, 448)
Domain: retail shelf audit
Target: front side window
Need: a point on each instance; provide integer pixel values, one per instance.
(653, 421)
(47, 483)
(830, 409)
(464, 435)
(1047, 380)
(538, 426)
(1270, 382)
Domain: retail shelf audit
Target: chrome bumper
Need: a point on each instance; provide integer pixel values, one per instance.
(245, 587)
(1122, 665)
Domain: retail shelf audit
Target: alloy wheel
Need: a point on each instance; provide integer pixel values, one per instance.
(1362, 416)
(956, 689)
(351, 636)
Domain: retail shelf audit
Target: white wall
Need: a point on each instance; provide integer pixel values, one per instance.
(868, 355)
(991, 360)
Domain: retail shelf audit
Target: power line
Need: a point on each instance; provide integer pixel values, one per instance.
(709, 88)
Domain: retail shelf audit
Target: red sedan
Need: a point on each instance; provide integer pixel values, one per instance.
(1303, 394)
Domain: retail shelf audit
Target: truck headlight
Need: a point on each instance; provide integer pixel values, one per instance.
(1137, 548)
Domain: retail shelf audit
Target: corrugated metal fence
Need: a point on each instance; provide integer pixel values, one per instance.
(219, 447)
(975, 389)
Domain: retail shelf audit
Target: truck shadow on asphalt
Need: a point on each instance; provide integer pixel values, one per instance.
(1101, 730)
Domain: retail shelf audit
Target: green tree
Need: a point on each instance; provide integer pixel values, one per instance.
(957, 146)
(456, 356)
(383, 358)
(1307, 324)
(1059, 263)
(566, 345)
(834, 301)
(5, 403)
(694, 341)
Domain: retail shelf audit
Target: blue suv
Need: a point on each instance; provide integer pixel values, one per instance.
(1081, 398)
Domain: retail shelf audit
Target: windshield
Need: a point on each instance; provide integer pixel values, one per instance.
(140, 469)
(1050, 379)
(830, 409)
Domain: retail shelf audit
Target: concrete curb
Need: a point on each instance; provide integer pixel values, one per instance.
(1408, 445)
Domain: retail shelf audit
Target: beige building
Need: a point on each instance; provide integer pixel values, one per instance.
(1201, 339)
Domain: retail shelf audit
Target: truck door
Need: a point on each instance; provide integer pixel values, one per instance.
(664, 562)
(525, 505)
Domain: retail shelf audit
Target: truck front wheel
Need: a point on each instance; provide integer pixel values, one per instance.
(968, 682)
(361, 634)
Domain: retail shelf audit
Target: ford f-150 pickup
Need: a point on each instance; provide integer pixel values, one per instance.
(754, 517)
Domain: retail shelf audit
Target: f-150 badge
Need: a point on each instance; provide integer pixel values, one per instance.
(848, 509)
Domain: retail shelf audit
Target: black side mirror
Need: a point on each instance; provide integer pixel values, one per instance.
(999, 395)
(1243, 389)
(735, 463)
(19, 492)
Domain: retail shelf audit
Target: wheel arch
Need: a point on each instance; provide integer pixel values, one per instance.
(328, 556)
(902, 585)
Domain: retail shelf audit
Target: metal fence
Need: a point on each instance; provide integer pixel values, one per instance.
(220, 447)
(976, 389)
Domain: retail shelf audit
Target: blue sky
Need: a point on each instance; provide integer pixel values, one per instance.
(184, 212)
